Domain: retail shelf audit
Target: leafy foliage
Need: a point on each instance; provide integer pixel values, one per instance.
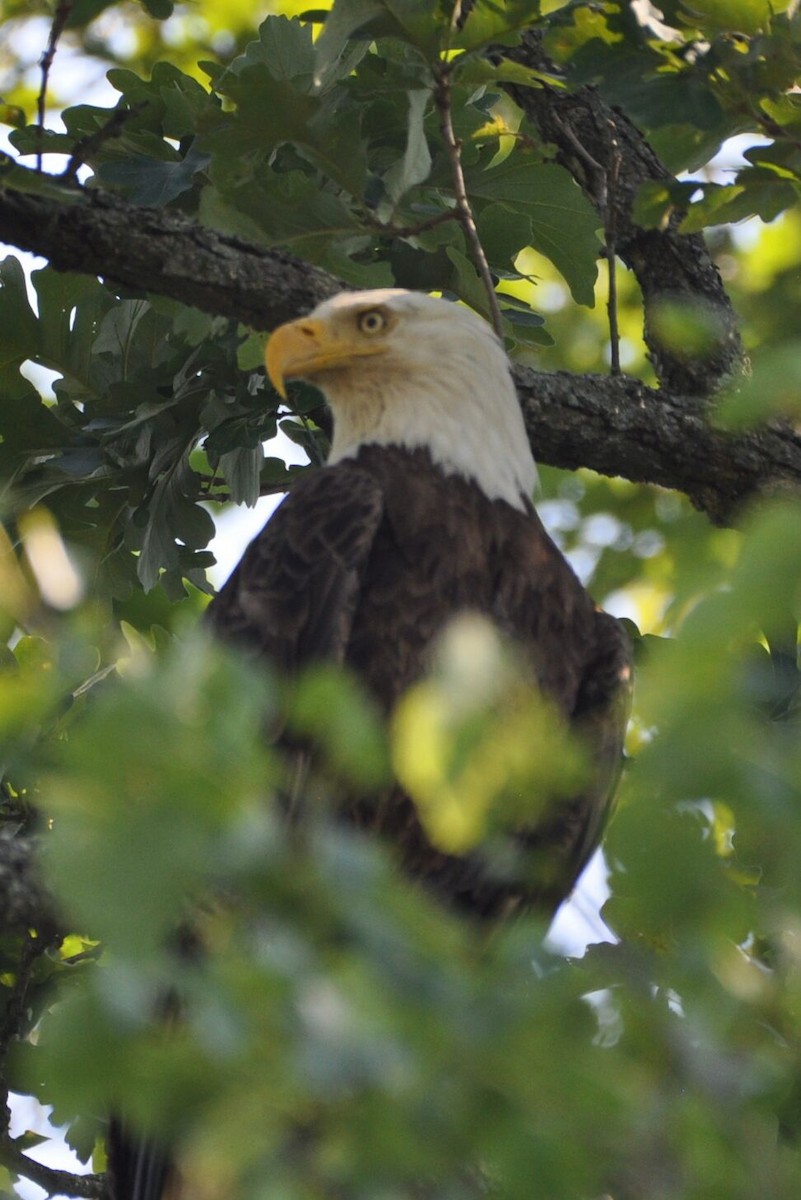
(339, 1034)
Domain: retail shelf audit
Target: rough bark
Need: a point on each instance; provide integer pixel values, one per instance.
(617, 426)
(160, 251)
(25, 902)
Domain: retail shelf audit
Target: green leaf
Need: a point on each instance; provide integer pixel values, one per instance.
(71, 307)
(328, 704)
(170, 517)
(82, 1136)
(288, 209)
(250, 353)
(415, 165)
(465, 281)
(241, 469)
(285, 48)
(757, 192)
(503, 234)
(347, 17)
(773, 387)
(338, 262)
(658, 200)
(29, 1140)
(181, 735)
(271, 112)
(150, 181)
(423, 26)
(84, 11)
(18, 328)
(491, 22)
(563, 222)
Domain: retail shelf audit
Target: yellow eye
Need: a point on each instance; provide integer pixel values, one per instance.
(372, 321)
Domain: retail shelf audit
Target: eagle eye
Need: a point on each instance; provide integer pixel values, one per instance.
(372, 321)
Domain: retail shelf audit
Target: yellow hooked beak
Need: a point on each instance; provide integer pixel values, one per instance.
(300, 349)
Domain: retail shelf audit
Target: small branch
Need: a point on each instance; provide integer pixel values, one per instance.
(586, 158)
(442, 97)
(112, 128)
(60, 18)
(390, 230)
(54, 1182)
(603, 186)
(220, 494)
(611, 257)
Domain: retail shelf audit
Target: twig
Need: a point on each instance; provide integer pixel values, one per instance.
(54, 1182)
(611, 257)
(597, 169)
(390, 230)
(218, 493)
(442, 97)
(111, 128)
(605, 179)
(60, 18)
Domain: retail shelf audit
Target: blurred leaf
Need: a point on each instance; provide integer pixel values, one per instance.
(488, 22)
(333, 707)
(475, 746)
(774, 386)
(160, 9)
(182, 741)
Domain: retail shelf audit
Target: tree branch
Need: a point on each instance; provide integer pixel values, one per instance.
(617, 426)
(442, 99)
(54, 1181)
(160, 251)
(60, 18)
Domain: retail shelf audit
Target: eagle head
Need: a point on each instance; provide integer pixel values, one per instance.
(403, 368)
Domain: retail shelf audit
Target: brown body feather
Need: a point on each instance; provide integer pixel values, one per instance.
(364, 564)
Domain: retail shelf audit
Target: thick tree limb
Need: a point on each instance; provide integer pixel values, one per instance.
(603, 422)
(161, 251)
(614, 425)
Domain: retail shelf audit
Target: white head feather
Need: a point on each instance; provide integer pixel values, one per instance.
(442, 381)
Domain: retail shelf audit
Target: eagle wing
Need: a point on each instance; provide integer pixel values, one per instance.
(562, 844)
(292, 598)
(600, 717)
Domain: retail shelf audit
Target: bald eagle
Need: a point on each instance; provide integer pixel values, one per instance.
(424, 512)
